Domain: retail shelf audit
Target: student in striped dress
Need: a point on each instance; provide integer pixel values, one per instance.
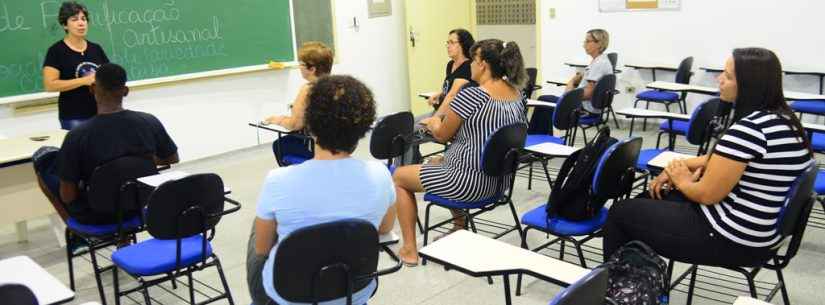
(473, 115)
(731, 199)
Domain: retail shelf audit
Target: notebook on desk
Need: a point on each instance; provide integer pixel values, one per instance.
(663, 159)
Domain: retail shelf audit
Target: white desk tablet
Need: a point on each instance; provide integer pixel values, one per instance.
(427, 95)
(156, 180)
(552, 149)
(663, 159)
(537, 103)
(654, 114)
(749, 301)
(23, 270)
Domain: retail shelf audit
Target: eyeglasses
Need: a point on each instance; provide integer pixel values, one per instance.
(451, 42)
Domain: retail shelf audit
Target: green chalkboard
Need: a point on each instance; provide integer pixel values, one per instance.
(150, 38)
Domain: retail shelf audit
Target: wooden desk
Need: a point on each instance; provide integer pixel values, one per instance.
(19, 192)
(652, 68)
(46, 288)
(480, 256)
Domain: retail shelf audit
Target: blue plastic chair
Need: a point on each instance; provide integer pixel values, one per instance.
(180, 216)
(499, 159)
(601, 99)
(815, 107)
(667, 98)
(589, 290)
(112, 192)
(292, 149)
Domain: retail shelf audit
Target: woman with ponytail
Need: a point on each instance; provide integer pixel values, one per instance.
(723, 208)
(472, 116)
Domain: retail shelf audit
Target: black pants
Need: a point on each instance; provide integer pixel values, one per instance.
(677, 230)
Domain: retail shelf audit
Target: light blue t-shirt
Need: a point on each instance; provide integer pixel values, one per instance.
(319, 191)
(600, 66)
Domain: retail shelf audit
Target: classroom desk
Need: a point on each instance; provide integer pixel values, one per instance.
(551, 149)
(712, 69)
(19, 191)
(480, 256)
(802, 96)
(677, 87)
(538, 103)
(812, 127)
(821, 76)
(749, 301)
(46, 288)
(577, 65)
(661, 161)
(652, 68)
(634, 113)
(154, 181)
(427, 95)
(558, 81)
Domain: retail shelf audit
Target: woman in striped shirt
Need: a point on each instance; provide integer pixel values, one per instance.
(728, 203)
(472, 117)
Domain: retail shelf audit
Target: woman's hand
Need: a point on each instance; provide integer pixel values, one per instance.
(275, 119)
(89, 79)
(658, 184)
(433, 99)
(678, 172)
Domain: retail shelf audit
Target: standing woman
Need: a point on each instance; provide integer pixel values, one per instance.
(70, 65)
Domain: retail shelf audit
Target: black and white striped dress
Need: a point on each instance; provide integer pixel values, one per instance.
(460, 176)
(775, 157)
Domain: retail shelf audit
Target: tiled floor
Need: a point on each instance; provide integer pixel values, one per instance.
(431, 284)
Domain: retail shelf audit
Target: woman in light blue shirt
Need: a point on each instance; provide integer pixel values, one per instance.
(329, 187)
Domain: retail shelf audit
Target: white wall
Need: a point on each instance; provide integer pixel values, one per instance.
(708, 30)
(209, 116)
(524, 35)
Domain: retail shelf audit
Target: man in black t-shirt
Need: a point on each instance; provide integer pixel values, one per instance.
(114, 132)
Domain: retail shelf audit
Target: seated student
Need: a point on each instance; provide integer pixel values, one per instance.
(315, 61)
(595, 43)
(457, 73)
(474, 114)
(114, 132)
(329, 187)
(728, 214)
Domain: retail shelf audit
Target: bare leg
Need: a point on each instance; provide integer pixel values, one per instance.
(407, 182)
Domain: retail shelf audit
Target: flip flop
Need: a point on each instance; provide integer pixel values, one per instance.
(408, 264)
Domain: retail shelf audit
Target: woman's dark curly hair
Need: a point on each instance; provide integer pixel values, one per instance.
(339, 112)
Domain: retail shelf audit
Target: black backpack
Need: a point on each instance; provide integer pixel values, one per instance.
(637, 276)
(571, 196)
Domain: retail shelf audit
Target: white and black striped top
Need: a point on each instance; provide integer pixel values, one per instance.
(460, 176)
(775, 156)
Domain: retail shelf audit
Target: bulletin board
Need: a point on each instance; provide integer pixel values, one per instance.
(639, 5)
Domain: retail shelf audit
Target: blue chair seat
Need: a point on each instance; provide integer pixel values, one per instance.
(814, 107)
(454, 204)
(589, 120)
(157, 256)
(645, 155)
(102, 230)
(819, 185)
(818, 142)
(294, 159)
(533, 139)
(658, 96)
(537, 218)
(679, 127)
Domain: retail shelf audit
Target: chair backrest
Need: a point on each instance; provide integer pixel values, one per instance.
(107, 191)
(615, 171)
(392, 135)
(501, 150)
(793, 217)
(319, 262)
(185, 207)
(603, 91)
(700, 124)
(683, 73)
(566, 114)
(530, 86)
(17, 294)
(613, 57)
(588, 290)
(541, 121)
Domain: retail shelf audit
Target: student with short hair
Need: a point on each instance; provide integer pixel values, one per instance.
(723, 208)
(472, 117)
(114, 132)
(331, 186)
(315, 60)
(70, 65)
(595, 44)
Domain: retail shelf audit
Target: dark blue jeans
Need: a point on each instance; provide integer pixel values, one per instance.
(45, 166)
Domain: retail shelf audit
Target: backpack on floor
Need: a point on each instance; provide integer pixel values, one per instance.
(570, 196)
(637, 276)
